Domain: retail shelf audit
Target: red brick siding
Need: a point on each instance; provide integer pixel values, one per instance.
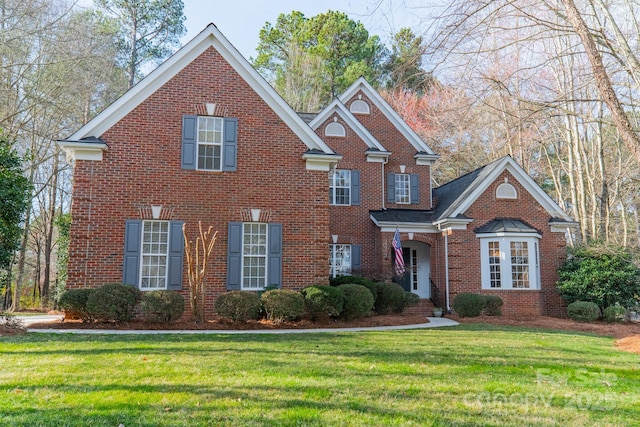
(142, 168)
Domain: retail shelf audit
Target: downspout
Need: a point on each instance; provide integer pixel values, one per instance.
(446, 269)
(386, 160)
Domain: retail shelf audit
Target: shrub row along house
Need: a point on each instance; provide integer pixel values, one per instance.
(296, 198)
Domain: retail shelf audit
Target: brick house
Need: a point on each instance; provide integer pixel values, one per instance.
(296, 198)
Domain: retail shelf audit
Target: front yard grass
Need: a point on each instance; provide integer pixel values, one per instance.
(468, 375)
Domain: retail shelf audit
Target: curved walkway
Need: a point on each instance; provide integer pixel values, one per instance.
(434, 322)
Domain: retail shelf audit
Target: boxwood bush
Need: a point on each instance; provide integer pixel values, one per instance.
(113, 302)
(615, 313)
(468, 304)
(358, 301)
(75, 301)
(162, 306)
(583, 311)
(493, 305)
(283, 304)
(323, 300)
(391, 297)
(411, 299)
(343, 280)
(238, 306)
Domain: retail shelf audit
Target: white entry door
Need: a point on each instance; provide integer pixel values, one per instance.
(417, 260)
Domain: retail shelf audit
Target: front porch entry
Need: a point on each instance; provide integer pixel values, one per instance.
(417, 275)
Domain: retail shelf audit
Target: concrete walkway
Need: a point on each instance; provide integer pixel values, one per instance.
(434, 322)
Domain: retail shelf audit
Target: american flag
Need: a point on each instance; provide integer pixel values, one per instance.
(397, 248)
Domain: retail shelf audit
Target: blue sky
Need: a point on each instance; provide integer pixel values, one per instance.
(241, 20)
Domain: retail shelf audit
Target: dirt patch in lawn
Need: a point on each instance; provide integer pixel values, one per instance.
(627, 334)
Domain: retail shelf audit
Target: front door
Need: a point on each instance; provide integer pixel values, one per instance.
(417, 268)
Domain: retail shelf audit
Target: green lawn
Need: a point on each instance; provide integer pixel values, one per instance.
(467, 375)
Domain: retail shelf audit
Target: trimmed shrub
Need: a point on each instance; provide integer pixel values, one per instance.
(615, 313)
(410, 299)
(583, 311)
(283, 304)
(358, 301)
(162, 306)
(75, 301)
(113, 302)
(605, 275)
(468, 304)
(493, 305)
(390, 298)
(343, 280)
(321, 299)
(239, 306)
(374, 287)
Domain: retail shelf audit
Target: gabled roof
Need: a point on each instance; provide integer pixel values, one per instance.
(209, 37)
(337, 107)
(456, 196)
(362, 85)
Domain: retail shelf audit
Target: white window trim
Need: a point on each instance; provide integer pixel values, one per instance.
(359, 107)
(506, 191)
(143, 254)
(408, 188)
(505, 239)
(332, 186)
(214, 144)
(335, 129)
(266, 258)
(333, 250)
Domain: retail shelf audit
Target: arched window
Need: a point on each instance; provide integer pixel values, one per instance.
(506, 191)
(359, 107)
(334, 129)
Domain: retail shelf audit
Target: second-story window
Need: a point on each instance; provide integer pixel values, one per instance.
(210, 143)
(403, 188)
(340, 187)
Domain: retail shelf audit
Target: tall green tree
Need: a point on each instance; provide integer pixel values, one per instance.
(149, 31)
(325, 53)
(403, 67)
(15, 192)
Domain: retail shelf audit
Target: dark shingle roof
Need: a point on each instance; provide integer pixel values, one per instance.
(448, 193)
(402, 215)
(307, 117)
(506, 225)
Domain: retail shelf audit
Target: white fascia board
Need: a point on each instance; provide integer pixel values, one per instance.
(377, 156)
(426, 159)
(82, 150)
(338, 107)
(452, 224)
(209, 37)
(488, 176)
(321, 162)
(404, 227)
(390, 113)
(507, 234)
(563, 227)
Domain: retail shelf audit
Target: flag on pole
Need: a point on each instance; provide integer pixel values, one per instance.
(397, 249)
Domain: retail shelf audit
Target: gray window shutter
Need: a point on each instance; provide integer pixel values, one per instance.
(391, 187)
(176, 256)
(132, 241)
(415, 189)
(274, 256)
(189, 142)
(234, 256)
(356, 258)
(230, 145)
(355, 188)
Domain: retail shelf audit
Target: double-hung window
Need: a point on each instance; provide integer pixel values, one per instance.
(340, 187)
(210, 143)
(339, 260)
(344, 187)
(403, 188)
(155, 247)
(510, 262)
(254, 256)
